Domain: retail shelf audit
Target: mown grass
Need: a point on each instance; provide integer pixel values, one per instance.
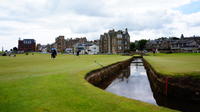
(36, 83)
(136, 55)
(177, 64)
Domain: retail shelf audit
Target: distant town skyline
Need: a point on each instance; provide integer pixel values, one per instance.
(44, 20)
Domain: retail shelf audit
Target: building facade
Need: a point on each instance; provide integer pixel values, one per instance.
(114, 42)
(42, 48)
(71, 46)
(60, 44)
(39, 48)
(174, 44)
(27, 45)
(71, 42)
(93, 49)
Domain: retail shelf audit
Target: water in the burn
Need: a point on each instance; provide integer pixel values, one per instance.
(133, 83)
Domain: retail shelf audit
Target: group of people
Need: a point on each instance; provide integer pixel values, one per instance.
(54, 53)
(8, 53)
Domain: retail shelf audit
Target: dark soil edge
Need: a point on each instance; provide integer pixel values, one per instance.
(186, 88)
(98, 76)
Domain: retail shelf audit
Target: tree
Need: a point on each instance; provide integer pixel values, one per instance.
(15, 49)
(132, 46)
(141, 44)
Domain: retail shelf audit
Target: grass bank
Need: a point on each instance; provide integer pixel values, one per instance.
(36, 83)
(176, 65)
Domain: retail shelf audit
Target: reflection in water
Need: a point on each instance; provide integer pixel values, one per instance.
(133, 83)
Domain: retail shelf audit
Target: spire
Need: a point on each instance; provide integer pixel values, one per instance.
(182, 36)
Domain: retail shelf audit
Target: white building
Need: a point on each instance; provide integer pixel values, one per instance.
(80, 47)
(94, 49)
(69, 50)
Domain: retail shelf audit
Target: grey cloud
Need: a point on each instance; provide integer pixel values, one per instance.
(90, 17)
(193, 23)
(83, 7)
(147, 20)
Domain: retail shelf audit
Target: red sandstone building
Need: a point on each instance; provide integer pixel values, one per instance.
(27, 45)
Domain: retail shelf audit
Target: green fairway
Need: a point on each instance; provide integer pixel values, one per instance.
(178, 64)
(36, 83)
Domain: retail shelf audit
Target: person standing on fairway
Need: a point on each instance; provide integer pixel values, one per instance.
(53, 53)
(77, 53)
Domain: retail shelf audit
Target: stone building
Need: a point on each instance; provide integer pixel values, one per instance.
(174, 44)
(71, 42)
(43, 48)
(60, 44)
(161, 44)
(27, 45)
(38, 47)
(71, 46)
(67, 45)
(114, 42)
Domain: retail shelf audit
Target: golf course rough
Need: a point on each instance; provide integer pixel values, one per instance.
(36, 83)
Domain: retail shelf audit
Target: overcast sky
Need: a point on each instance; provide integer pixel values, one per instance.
(44, 20)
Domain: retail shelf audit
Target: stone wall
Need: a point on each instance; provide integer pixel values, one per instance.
(182, 93)
(96, 77)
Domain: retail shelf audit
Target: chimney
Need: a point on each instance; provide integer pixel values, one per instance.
(126, 30)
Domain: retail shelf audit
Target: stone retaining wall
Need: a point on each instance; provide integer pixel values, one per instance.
(182, 93)
(96, 77)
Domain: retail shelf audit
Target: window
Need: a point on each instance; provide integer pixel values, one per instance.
(119, 42)
(119, 35)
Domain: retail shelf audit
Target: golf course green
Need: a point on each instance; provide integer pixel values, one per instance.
(36, 83)
(175, 65)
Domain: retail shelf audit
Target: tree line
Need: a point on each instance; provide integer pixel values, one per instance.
(138, 45)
